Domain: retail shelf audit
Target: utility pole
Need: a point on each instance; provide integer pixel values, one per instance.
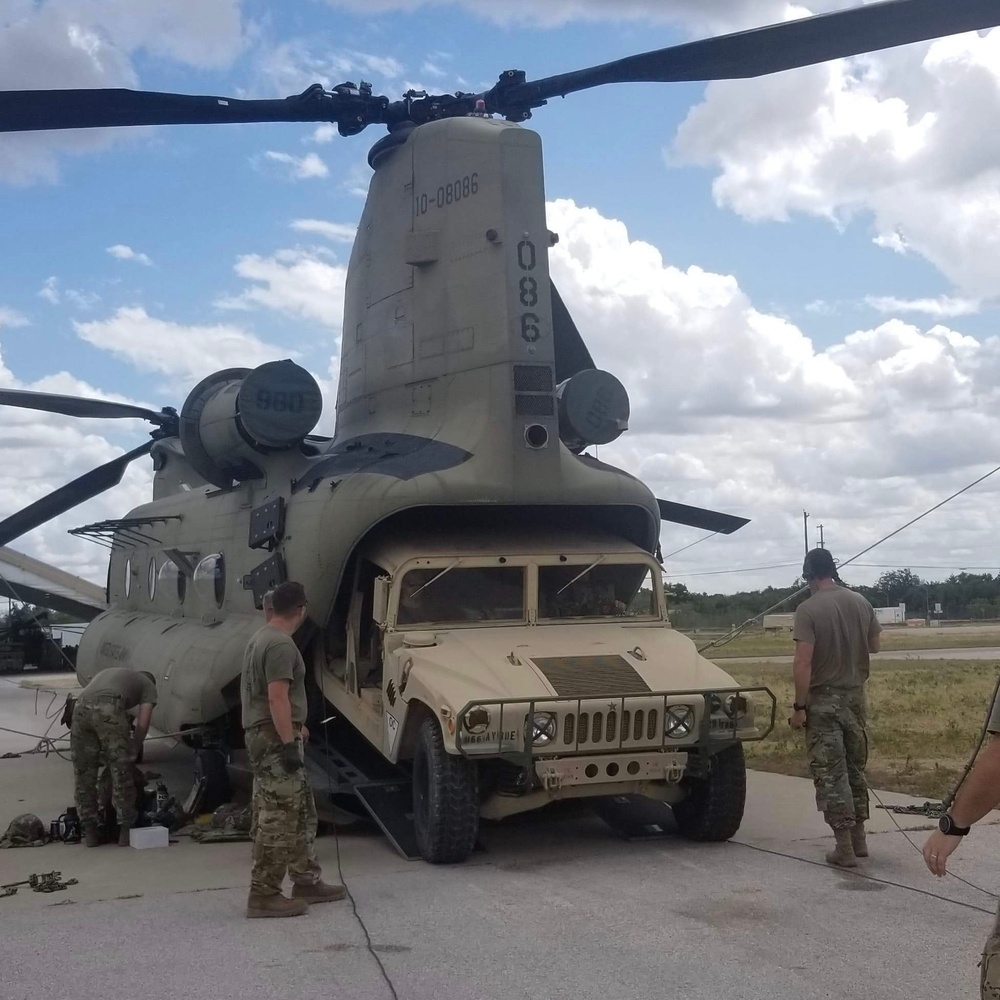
(821, 545)
(805, 529)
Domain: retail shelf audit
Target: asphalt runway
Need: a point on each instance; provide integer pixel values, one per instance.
(554, 906)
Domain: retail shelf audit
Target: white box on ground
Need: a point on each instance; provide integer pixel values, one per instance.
(142, 837)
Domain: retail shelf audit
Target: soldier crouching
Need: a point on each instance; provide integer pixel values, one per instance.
(101, 730)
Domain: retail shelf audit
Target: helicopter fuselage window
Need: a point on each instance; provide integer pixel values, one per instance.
(602, 591)
(210, 579)
(462, 595)
(128, 576)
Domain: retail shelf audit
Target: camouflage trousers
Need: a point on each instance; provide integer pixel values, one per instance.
(837, 744)
(284, 817)
(101, 732)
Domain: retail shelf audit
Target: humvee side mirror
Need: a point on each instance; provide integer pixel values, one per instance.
(380, 603)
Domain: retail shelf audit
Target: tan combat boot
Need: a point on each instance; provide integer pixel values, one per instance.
(91, 835)
(275, 906)
(858, 841)
(318, 892)
(843, 854)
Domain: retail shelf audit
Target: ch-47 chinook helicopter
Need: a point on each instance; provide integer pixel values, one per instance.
(486, 606)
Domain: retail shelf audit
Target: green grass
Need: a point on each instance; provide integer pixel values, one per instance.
(781, 644)
(924, 719)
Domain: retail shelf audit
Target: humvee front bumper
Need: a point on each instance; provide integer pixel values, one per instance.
(560, 772)
(638, 727)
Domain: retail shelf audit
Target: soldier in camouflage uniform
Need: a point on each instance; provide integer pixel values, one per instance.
(835, 630)
(274, 713)
(102, 729)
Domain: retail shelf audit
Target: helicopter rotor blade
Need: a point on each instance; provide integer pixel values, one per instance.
(80, 406)
(69, 496)
(700, 517)
(32, 110)
(571, 353)
(770, 49)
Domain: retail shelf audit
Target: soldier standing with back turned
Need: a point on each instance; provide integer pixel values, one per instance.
(274, 714)
(835, 630)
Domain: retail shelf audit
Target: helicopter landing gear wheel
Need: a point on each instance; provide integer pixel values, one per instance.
(445, 799)
(713, 809)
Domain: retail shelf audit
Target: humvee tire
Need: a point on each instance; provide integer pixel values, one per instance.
(713, 809)
(445, 799)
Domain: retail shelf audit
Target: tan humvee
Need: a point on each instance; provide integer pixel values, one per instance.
(509, 673)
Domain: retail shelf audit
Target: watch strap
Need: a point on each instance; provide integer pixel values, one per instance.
(798, 708)
(948, 826)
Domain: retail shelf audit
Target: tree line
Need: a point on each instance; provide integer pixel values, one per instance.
(961, 596)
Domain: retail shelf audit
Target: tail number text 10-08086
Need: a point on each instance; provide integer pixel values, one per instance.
(448, 194)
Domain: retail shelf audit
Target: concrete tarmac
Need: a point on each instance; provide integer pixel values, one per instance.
(554, 906)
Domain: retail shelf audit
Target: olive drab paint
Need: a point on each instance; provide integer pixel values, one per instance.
(447, 397)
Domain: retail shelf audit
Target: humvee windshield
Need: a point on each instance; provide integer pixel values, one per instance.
(595, 590)
(462, 594)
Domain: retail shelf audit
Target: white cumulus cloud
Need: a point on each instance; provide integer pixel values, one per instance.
(300, 167)
(737, 409)
(10, 318)
(336, 232)
(186, 352)
(897, 138)
(68, 44)
(294, 282)
(122, 252)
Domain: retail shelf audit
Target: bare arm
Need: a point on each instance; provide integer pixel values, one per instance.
(281, 709)
(875, 642)
(142, 718)
(802, 670)
(978, 795)
(801, 675)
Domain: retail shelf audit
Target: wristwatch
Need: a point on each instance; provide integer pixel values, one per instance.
(796, 707)
(947, 825)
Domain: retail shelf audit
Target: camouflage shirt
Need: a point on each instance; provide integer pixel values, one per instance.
(271, 655)
(839, 624)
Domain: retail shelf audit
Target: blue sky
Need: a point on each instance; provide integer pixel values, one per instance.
(817, 332)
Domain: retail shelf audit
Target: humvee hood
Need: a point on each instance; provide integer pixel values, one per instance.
(561, 661)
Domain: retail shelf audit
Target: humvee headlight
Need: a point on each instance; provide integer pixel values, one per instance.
(477, 720)
(543, 729)
(678, 722)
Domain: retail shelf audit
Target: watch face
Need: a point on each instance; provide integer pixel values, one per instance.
(944, 824)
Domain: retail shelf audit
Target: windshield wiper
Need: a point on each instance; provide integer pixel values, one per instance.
(599, 559)
(447, 569)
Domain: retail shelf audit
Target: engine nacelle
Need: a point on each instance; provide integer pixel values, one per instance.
(234, 417)
(593, 409)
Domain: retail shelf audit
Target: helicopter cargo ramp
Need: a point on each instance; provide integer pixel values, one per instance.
(384, 793)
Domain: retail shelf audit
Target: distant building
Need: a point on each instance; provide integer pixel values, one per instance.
(778, 623)
(891, 616)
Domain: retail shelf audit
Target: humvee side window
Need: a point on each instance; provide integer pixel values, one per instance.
(463, 594)
(604, 591)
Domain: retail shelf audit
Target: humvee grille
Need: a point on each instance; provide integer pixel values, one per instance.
(587, 676)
